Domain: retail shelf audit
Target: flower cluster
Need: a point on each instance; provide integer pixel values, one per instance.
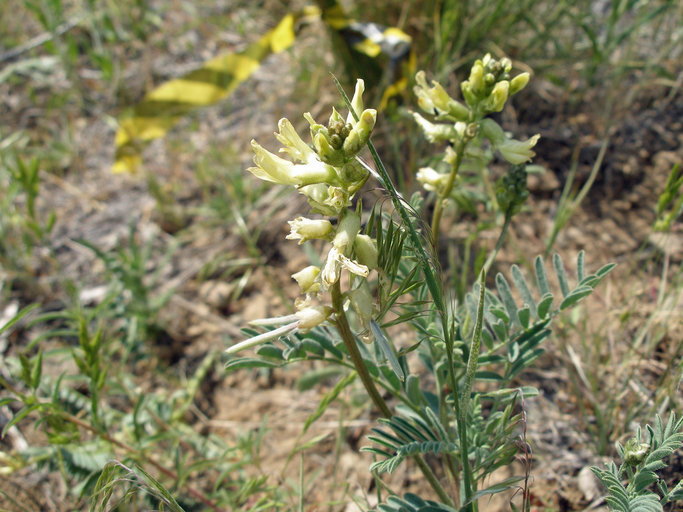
(485, 91)
(329, 175)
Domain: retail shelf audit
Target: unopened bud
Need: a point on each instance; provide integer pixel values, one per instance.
(347, 230)
(326, 151)
(306, 278)
(312, 316)
(366, 251)
(499, 95)
(476, 79)
(435, 132)
(518, 151)
(431, 179)
(635, 452)
(518, 83)
(303, 229)
(468, 93)
(492, 131)
(360, 134)
(357, 101)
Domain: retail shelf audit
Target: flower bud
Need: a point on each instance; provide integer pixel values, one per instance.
(431, 179)
(492, 131)
(517, 151)
(436, 100)
(476, 79)
(360, 134)
(331, 271)
(335, 118)
(469, 94)
(326, 151)
(356, 101)
(499, 95)
(366, 251)
(303, 229)
(421, 90)
(312, 316)
(518, 83)
(635, 452)
(435, 132)
(352, 172)
(316, 128)
(307, 279)
(349, 227)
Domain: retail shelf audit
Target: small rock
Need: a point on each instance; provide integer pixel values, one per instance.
(588, 484)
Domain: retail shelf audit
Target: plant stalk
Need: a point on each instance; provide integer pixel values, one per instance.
(445, 194)
(365, 377)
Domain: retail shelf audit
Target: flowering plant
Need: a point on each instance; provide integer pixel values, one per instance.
(451, 388)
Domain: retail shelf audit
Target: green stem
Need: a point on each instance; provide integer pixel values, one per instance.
(365, 377)
(446, 192)
(351, 347)
(499, 242)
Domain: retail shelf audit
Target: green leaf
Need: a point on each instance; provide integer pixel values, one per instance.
(506, 296)
(248, 362)
(18, 417)
(326, 342)
(575, 296)
(20, 314)
(412, 387)
(523, 288)
(513, 351)
(312, 347)
(606, 269)
(271, 351)
(541, 277)
(524, 316)
(581, 266)
(544, 305)
(160, 490)
(37, 370)
(487, 375)
(387, 349)
(561, 274)
(7, 401)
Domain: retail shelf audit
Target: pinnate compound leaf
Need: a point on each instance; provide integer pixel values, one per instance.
(412, 503)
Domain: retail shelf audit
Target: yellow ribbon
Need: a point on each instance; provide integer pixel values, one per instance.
(162, 107)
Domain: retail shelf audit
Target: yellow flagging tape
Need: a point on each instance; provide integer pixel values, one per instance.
(156, 114)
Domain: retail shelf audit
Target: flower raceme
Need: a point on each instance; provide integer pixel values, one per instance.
(329, 174)
(486, 91)
(326, 173)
